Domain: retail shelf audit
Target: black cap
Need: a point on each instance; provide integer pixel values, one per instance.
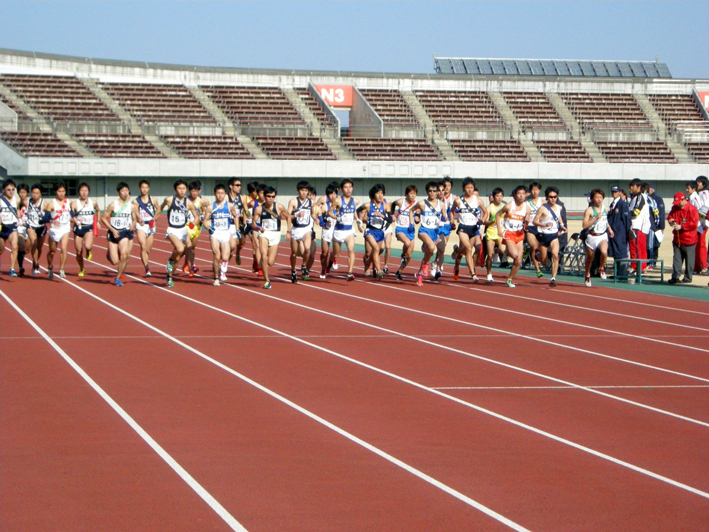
(615, 188)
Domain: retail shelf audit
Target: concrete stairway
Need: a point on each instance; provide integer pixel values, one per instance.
(78, 146)
(525, 141)
(127, 118)
(41, 122)
(421, 115)
(679, 151)
(254, 149)
(575, 128)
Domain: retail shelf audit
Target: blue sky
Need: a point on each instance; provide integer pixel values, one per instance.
(351, 35)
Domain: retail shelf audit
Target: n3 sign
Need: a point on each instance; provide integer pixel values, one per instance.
(336, 95)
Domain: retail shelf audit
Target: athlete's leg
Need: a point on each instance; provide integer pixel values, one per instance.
(324, 255)
(350, 242)
(294, 244)
(88, 242)
(263, 256)
(306, 248)
(373, 249)
(113, 253)
(543, 254)
(387, 250)
(144, 253)
(178, 248)
(533, 247)
(79, 247)
(589, 260)
(256, 248)
(217, 255)
(407, 248)
(464, 250)
(441, 250)
(65, 252)
(515, 252)
(554, 251)
(125, 245)
(313, 252)
(603, 249)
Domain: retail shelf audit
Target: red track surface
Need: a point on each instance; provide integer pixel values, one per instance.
(384, 406)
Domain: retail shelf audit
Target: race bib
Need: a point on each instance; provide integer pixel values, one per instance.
(404, 220)
(220, 224)
(119, 222)
(177, 218)
(468, 218)
(430, 222)
(347, 218)
(269, 224)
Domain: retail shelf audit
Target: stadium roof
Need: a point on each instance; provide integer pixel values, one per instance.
(551, 67)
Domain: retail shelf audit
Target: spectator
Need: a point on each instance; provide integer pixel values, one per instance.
(639, 225)
(700, 262)
(684, 219)
(619, 221)
(657, 225)
(703, 193)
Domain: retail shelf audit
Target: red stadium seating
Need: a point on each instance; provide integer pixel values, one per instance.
(391, 107)
(118, 145)
(207, 147)
(461, 109)
(38, 144)
(291, 147)
(563, 151)
(533, 110)
(255, 105)
(391, 149)
(489, 150)
(636, 152)
(315, 107)
(606, 111)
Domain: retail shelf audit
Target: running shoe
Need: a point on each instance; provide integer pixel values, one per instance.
(170, 282)
(186, 267)
(456, 274)
(50, 273)
(237, 259)
(62, 275)
(424, 270)
(147, 272)
(195, 269)
(489, 278)
(222, 276)
(434, 270)
(259, 273)
(454, 254)
(398, 276)
(293, 277)
(305, 275)
(385, 271)
(404, 262)
(552, 283)
(476, 279)
(419, 279)
(323, 275)
(35, 271)
(170, 266)
(704, 272)
(334, 264)
(379, 275)
(191, 273)
(13, 273)
(587, 282)
(438, 275)
(82, 273)
(368, 273)
(22, 272)
(602, 273)
(267, 285)
(216, 282)
(509, 283)
(650, 267)
(540, 274)
(118, 282)
(350, 276)
(89, 255)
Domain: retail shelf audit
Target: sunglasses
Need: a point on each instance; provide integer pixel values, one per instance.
(552, 197)
(270, 196)
(432, 190)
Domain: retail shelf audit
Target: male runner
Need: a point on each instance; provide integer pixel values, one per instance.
(595, 219)
(492, 237)
(328, 227)
(239, 201)
(120, 218)
(300, 227)
(432, 213)
(446, 227)
(84, 211)
(148, 213)
(59, 210)
(549, 226)
(10, 219)
(178, 205)
(534, 202)
(471, 215)
(194, 226)
(267, 225)
(515, 215)
(405, 228)
(36, 227)
(374, 238)
(219, 218)
(343, 211)
(23, 243)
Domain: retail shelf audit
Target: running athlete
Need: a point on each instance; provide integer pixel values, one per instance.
(432, 212)
(194, 226)
(377, 211)
(267, 224)
(405, 229)
(255, 190)
(300, 227)
(313, 196)
(471, 215)
(492, 237)
(84, 211)
(515, 214)
(446, 226)
(388, 233)
(23, 243)
(343, 210)
(549, 224)
(178, 205)
(534, 202)
(219, 221)
(10, 219)
(148, 213)
(236, 228)
(36, 228)
(328, 227)
(120, 218)
(60, 216)
(595, 219)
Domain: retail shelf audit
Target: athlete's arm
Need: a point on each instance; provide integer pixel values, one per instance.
(500, 215)
(484, 215)
(292, 205)
(588, 218)
(190, 205)
(105, 218)
(134, 215)
(256, 219)
(208, 211)
(335, 205)
(98, 211)
(538, 217)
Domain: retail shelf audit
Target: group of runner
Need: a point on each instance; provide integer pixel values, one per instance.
(235, 216)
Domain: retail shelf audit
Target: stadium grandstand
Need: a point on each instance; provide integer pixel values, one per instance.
(573, 124)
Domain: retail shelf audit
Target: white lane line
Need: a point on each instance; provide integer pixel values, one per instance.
(649, 387)
(440, 485)
(169, 460)
(452, 398)
(466, 353)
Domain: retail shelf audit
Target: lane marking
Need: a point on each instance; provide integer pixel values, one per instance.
(162, 453)
(439, 393)
(649, 387)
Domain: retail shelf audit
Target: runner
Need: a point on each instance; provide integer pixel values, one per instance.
(60, 216)
(148, 213)
(237, 228)
(313, 196)
(343, 210)
(194, 226)
(595, 219)
(328, 227)
(550, 226)
(432, 212)
(492, 237)
(23, 243)
(300, 227)
(10, 219)
(120, 218)
(219, 219)
(515, 214)
(405, 228)
(534, 202)
(388, 233)
(267, 224)
(36, 228)
(84, 211)
(178, 205)
(472, 215)
(446, 227)
(374, 238)
(255, 190)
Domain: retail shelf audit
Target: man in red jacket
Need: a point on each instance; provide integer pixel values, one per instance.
(684, 219)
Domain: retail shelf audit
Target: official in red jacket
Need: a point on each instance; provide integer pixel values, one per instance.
(684, 219)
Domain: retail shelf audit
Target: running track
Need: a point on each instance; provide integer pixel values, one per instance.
(348, 406)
